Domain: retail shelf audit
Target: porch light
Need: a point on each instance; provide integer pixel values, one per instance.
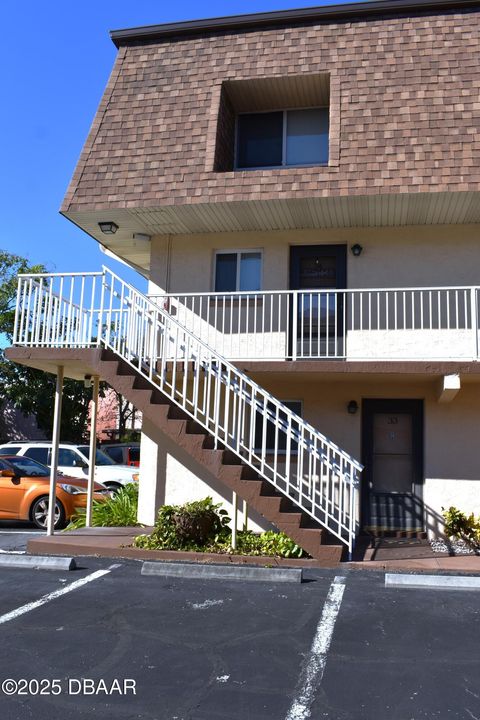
(356, 249)
(108, 227)
(352, 407)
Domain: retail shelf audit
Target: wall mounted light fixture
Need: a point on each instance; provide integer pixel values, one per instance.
(142, 237)
(108, 227)
(352, 407)
(356, 249)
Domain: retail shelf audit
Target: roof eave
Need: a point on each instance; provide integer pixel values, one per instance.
(284, 17)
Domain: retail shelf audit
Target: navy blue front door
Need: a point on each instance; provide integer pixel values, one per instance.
(393, 459)
(317, 271)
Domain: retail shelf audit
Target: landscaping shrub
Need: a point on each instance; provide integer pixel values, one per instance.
(187, 527)
(203, 527)
(460, 525)
(120, 510)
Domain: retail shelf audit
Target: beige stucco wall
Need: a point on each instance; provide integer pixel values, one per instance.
(392, 257)
(258, 328)
(451, 430)
(451, 437)
(168, 476)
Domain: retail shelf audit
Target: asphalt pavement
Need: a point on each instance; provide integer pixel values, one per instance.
(118, 645)
(14, 535)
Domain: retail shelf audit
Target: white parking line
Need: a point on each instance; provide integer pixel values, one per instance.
(313, 669)
(52, 596)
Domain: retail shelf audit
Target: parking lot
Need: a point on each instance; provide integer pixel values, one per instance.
(15, 535)
(210, 649)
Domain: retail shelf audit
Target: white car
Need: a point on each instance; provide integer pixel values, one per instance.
(73, 460)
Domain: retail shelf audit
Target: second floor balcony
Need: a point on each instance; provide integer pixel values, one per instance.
(387, 324)
(352, 325)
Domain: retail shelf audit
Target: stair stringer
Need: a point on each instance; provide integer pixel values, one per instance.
(277, 508)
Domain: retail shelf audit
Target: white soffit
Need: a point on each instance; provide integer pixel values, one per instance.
(264, 215)
(337, 212)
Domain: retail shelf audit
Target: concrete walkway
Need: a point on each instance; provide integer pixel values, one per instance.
(116, 543)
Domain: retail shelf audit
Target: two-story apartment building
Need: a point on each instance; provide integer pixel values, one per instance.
(302, 191)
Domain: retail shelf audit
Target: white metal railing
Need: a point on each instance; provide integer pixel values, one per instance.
(99, 309)
(436, 323)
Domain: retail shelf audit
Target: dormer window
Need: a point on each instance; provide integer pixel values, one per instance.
(274, 122)
(282, 138)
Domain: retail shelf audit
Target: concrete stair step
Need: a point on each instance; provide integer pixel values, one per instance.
(141, 383)
(210, 444)
(176, 413)
(231, 458)
(194, 428)
(125, 369)
(159, 398)
(222, 462)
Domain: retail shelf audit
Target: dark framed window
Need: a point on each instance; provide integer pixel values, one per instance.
(239, 270)
(282, 138)
(272, 420)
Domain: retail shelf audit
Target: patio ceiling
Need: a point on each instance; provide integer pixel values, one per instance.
(263, 215)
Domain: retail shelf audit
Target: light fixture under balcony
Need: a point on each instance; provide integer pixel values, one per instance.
(356, 250)
(108, 227)
(352, 407)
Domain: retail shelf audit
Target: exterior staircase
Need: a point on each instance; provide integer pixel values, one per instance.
(222, 463)
(305, 485)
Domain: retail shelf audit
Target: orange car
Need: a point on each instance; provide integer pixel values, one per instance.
(24, 488)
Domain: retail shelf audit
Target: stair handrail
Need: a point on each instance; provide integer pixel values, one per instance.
(236, 370)
(144, 334)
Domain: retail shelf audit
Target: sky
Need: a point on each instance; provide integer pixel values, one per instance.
(56, 57)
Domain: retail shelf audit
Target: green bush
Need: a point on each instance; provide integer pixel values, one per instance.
(202, 526)
(191, 526)
(280, 544)
(120, 510)
(460, 525)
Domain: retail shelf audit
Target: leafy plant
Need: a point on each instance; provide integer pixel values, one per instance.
(120, 510)
(186, 527)
(460, 525)
(203, 527)
(280, 544)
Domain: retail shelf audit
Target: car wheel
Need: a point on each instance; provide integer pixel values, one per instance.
(114, 487)
(39, 513)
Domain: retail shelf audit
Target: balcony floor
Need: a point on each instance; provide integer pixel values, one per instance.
(78, 362)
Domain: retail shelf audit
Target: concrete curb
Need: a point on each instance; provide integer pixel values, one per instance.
(36, 562)
(445, 582)
(222, 572)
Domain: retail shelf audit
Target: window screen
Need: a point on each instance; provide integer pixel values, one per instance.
(307, 137)
(250, 271)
